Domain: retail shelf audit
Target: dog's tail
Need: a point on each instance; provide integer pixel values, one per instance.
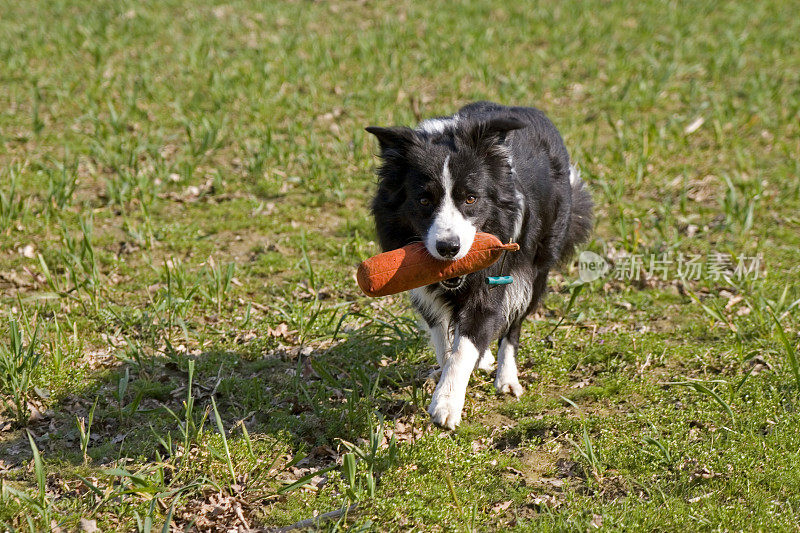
(581, 220)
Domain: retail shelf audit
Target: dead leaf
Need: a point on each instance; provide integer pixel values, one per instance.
(14, 279)
(581, 384)
(759, 364)
(4, 466)
(702, 496)
(499, 507)
(697, 471)
(567, 468)
(733, 301)
(281, 330)
(694, 126)
(245, 337)
(543, 501)
(88, 526)
(29, 251)
(216, 512)
(554, 482)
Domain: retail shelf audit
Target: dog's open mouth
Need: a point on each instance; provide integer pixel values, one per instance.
(453, 283)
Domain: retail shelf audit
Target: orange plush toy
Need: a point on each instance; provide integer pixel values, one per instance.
(412, 266)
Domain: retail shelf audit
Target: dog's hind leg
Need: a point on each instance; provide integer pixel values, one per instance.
(486, 361)
(441, 340)
(506, 380)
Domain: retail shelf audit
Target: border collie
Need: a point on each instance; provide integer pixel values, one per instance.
(491, 168)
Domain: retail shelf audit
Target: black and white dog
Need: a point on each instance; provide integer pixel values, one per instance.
(500, 170)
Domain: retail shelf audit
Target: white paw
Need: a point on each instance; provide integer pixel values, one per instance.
(508, 386)
(486, 362)
(446, 411)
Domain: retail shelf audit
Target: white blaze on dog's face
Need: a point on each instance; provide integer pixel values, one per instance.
(444, 182)
(451, 233)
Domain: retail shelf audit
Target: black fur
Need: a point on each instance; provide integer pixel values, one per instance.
(495, 152)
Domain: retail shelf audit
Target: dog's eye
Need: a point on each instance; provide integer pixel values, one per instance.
(471, 199)
(425, 201)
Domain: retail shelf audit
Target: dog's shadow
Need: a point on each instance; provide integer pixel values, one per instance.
(305, 396)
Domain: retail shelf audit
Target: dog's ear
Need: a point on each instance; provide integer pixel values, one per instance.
(396, 138)
(489, 134)
(394, 143)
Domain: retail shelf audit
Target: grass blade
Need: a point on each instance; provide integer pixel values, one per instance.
(38, 468)
(221, 429)
(699, 387)
(790, 350)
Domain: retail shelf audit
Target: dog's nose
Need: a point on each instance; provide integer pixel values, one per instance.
(448, 247)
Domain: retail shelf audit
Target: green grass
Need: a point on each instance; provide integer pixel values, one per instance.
(184, 194)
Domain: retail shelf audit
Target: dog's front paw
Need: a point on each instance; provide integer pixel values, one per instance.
(486, 362)
(446, 411)
(508, 385)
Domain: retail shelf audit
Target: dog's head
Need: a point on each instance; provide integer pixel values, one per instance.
(442, 185)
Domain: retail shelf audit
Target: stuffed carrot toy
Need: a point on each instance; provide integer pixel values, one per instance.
(412, 266)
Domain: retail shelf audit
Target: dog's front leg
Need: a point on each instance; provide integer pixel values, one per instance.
(448, 398)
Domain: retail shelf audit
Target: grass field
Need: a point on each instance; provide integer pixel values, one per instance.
(183, 199)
